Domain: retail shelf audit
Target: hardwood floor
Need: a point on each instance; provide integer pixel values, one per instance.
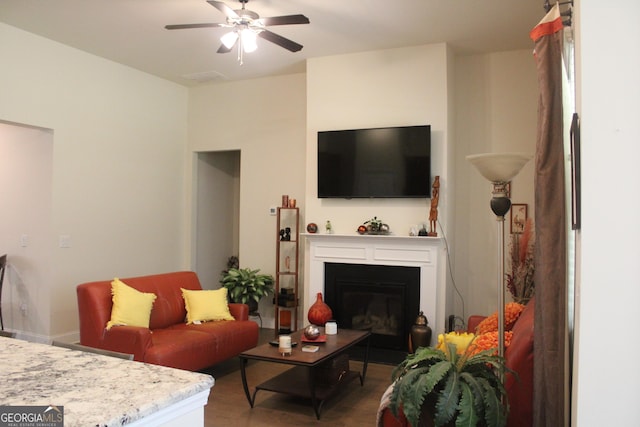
(352, 406)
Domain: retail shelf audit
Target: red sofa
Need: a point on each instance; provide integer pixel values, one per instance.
(168, 341)
(518, 357)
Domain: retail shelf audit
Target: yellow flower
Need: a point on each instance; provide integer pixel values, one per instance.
(461, 340)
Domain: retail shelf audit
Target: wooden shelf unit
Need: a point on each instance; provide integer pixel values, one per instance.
(286, 296)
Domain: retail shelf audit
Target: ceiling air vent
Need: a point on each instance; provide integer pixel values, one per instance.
(205, 76)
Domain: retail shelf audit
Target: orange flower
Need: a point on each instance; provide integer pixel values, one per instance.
(489, 340)
(511, 313)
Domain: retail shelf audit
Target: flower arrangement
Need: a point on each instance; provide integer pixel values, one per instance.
(520, 280)
(373, 226)
(486, 333)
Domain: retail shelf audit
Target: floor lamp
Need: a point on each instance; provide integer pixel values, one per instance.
(499, 169)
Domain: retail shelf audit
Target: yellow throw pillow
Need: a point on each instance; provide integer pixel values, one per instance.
(206, 305)
(130, 306)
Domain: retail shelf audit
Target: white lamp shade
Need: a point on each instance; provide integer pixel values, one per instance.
(229, 39)
(499, 167)
(249, 40)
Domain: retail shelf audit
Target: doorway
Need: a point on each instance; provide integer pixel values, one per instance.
(217, 213)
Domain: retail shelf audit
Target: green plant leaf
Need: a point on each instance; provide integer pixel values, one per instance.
(495, 414)
(447, 403)
(467, 416)
(410, 392)
(477, 390)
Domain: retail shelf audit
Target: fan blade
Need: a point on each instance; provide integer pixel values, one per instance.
(285, 20)
(280, 41)
(185, 26)
(222, 7)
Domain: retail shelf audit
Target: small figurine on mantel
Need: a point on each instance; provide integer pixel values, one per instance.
(328, 228)
(433, 212)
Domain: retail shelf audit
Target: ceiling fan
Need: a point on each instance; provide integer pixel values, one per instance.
(245, 25)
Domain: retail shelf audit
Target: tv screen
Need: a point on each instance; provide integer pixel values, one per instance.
(380, 162)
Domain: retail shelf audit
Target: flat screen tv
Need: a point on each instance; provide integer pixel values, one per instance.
(389, 162)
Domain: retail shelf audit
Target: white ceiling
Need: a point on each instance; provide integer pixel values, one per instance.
(132, 32)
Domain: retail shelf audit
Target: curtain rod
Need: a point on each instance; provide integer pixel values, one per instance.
(568, 12)
(547, 5)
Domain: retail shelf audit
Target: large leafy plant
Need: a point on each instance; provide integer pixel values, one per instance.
(245, 284)
(461, 388)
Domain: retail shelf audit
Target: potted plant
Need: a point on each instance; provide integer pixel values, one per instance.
(444, 388)
(247, 286)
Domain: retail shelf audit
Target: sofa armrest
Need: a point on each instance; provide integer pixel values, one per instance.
(239, 311)
(127, 339)
(473, 322)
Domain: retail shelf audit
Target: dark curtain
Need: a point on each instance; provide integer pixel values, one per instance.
(551, 232)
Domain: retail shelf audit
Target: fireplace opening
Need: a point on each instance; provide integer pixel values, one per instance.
(380, 298)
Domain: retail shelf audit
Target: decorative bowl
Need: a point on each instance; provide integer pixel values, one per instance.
(311, 332)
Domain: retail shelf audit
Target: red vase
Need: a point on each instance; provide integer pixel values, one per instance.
(319, 312)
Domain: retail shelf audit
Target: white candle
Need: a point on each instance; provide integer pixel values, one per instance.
(284, 344)
(331, 328)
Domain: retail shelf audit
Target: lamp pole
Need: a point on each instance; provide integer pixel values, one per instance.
(500, 205)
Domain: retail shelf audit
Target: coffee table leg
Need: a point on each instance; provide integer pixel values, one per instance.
(366, 362)
(243, 365)
(312, 390)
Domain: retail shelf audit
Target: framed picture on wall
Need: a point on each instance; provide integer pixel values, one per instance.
(575, 172)
(518, 217)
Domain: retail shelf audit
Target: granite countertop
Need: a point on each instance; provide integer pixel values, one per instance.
(95, 390)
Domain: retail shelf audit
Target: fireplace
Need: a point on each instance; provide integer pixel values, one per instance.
(380, 298)
(423, 256)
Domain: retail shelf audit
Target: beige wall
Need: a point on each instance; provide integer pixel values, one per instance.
(496, 111)
(265, 120)
(397, 87)
(119, 139)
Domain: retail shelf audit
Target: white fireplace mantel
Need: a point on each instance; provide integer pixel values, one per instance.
(426, 253)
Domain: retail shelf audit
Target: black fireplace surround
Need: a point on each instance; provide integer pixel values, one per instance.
(381, 298)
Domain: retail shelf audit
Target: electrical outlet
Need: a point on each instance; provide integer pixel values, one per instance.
(273, 210)
(24, 240)
(23, 308)
(64, 241)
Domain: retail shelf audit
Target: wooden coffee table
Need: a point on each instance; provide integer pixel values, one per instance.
(295, 381)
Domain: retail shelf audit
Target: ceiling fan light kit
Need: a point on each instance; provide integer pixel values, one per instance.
(246, 26)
